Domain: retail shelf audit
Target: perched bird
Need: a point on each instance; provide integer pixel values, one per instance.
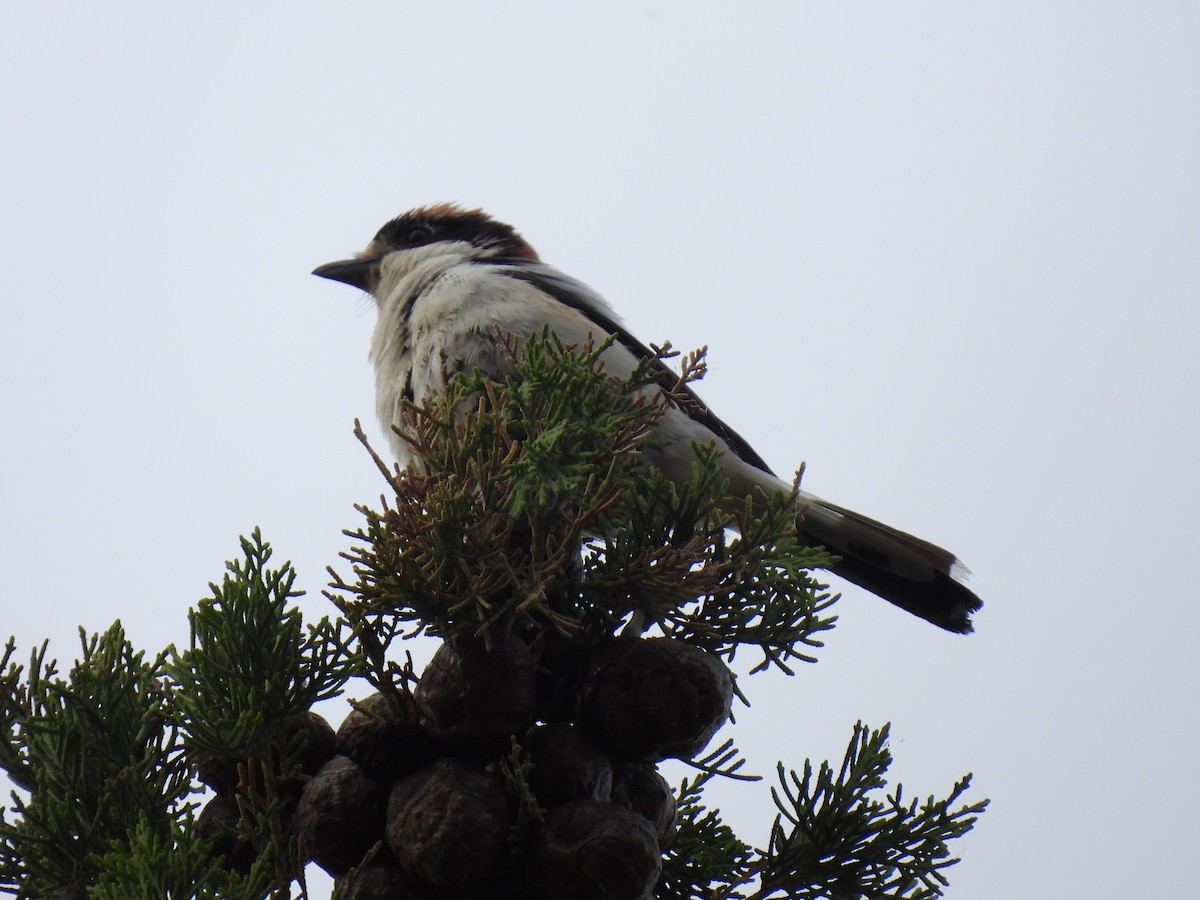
(444, 277)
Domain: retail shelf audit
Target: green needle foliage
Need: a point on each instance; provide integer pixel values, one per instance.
(531, 512)
(93, 753)
(834, 837)
(105, 758)
(516, 475)
(706, 859)
(173, 864)
(253, 668)
(244, 690)
(837, 837)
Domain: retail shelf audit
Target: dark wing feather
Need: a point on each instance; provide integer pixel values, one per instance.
(571, 293)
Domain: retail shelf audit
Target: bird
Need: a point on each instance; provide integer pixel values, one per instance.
(448, 280)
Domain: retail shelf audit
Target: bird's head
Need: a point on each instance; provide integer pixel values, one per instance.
(425, 233)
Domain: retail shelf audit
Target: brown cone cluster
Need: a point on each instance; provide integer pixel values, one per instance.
(418, 798)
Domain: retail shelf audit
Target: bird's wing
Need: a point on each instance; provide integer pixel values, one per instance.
(580, 297)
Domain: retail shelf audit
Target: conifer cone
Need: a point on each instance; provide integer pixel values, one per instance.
(448, 826)
(320, 742)
(383, 735)
(567, 765)
(221, 773)
(641, 789)
(473, 697)
(340, 816)
(655, 698)
(217, 822)
(588, 850)
(382, 880)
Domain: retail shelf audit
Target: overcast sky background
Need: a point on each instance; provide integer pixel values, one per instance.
(946, 253)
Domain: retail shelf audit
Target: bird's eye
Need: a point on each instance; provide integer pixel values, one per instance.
(417, 235)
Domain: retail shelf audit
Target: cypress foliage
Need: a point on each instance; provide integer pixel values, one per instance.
(590, 612)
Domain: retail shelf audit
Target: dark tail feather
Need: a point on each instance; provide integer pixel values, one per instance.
(915, 575)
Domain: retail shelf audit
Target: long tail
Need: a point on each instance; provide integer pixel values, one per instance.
(915, 575)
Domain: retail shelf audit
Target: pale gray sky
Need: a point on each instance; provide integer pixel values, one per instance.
(944, 252)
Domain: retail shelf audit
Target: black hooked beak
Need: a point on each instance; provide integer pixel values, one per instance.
(360, 273)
